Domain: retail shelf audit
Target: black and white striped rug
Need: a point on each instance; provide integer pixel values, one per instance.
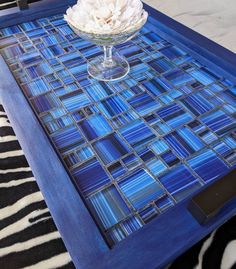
(30, 240)
(28, 236)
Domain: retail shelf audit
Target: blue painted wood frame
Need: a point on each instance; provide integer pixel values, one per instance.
(158, 242)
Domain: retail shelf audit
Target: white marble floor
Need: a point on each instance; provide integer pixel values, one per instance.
(215, 19)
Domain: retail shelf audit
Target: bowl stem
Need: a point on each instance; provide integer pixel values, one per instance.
(108, 62)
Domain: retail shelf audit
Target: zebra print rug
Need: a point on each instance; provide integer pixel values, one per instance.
(29, 238)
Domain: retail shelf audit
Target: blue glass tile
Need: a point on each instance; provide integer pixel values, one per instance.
(45, 102)
(231, 141)
(157, 86)
(148, 214)
(170, 158)
(207, 136)
(90, 176)
(145, 154)
(64, 121)
(219, 122)
(116, 170)
(116, 235)
(27, 26)
(137, 134)
(85, 153)
(161, 65)
(184, 142)
(180, 182)
(144, 104)
(95, 126)
(178, 77)
(161, 128)
(71, 159)
(151, 37)
(131, 52)
(140, 188)
(174, 115)
(39, 70)
(113, 106)
(75, 100)
(222, 149)
(207, 165)
(67, 139)
(197, 104)
(68, 60)
(13, 51)
(8, 31)
(164, 203)
(110, 148)
(53, 39)
(30, 58)
(203, 76)
(80, 73)
(36, 87)
(52, 127)
(131, 225)
(65, 30)
(159, 147)
(131, 161)
(98, 92)
(172, 52)
(156, 167)
(109, 206)
(151, 119)
(40, 32)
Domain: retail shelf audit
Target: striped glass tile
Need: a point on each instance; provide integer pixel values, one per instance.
(140, 188)
(137, 134)
(208, 165)
(94, 127)
(174, 115)
(75, 100)
(109, 206)
(148, 214)
(110, 148)
(180, 182)
(90, 176)
(134, 147)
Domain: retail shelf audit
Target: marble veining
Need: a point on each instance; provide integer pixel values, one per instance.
(212, 18)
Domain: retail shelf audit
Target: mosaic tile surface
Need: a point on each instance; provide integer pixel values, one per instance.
(135, 147)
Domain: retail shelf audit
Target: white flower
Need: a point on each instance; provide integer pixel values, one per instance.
(106, 16)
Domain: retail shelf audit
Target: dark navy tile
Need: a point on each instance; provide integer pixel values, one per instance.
(90, 176)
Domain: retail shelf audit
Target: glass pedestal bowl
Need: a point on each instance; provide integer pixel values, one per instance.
(108, 67)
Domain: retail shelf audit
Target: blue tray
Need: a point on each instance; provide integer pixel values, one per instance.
(137, 149)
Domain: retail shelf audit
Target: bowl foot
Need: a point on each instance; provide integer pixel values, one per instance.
(115, 70)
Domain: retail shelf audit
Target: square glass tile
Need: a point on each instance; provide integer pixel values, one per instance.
(135, 147)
